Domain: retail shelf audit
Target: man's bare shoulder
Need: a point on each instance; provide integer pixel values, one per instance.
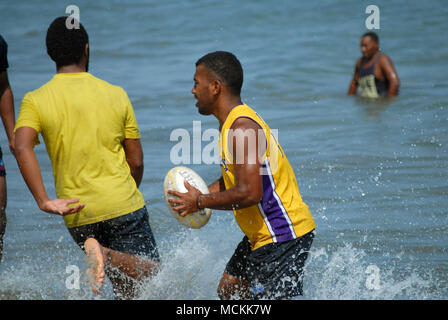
(384, 59)
(244, 123)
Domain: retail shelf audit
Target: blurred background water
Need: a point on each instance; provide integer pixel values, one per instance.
(374, 173)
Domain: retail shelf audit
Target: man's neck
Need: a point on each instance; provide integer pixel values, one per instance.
(73, 68)
(225, 108)
(373, 56)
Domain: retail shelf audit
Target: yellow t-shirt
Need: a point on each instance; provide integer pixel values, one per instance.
(281, 215)
(83, 121)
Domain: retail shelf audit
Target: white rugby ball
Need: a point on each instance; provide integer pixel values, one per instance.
(174, 180)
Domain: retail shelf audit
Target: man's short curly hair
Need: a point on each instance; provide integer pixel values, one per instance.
(373, 36)
(226, 67)
(65, 46)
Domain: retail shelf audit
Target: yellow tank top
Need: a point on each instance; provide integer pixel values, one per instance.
(281, 215)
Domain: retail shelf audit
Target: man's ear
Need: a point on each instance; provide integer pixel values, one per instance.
(216, 86)
(86, 50)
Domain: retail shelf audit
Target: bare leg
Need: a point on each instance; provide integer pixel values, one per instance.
(122, 268)
(95, 259)
(2, 213)
(233, 286)
(126, 270)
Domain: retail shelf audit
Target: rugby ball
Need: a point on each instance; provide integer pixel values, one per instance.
(174, 180)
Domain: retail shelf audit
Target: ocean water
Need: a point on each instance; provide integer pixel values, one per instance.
(374, 173)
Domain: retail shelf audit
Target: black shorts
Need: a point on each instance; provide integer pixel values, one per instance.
(275, 270)
(129, 233)
(2, 165)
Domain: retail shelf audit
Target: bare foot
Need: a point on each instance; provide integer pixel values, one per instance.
(95, 260)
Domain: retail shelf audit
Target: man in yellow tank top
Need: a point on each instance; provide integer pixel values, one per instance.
(257, 183)
(92, 139)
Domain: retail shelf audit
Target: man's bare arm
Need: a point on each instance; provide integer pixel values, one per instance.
(217, 186)
(30, 170)
(134, 157)
(391, 75)
(248, 188)
(7, 109)
(354, 83)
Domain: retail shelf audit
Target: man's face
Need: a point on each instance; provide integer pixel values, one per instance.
(368, 47)
(202, 90)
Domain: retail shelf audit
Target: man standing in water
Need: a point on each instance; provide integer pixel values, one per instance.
(91, 135)
(375, 74)
(257, 183)
(8, 117)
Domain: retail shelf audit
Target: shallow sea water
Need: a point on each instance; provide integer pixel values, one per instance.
(374, 173)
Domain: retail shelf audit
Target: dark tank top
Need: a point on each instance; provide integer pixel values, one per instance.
(371, 86)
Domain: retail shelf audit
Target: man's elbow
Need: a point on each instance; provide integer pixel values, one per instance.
(251, 201)
(140, 167)
(250, 197)
(20, 148)
(22, 152)
(136, 164)
(394, 87)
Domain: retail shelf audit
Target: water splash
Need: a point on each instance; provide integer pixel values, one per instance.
(347, 274)
(192, 267)
(189, 270)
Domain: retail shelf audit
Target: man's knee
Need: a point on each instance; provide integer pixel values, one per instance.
(232, 287)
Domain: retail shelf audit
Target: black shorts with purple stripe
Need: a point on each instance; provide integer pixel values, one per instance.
(274, 271)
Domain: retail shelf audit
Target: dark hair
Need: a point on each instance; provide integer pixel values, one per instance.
(226, 67)
(66, 46)
(372, 36)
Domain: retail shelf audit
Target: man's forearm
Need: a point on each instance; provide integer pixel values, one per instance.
(8, 116)
(393, 88)
(7, 112)
(29, 167)
(30, 170)
(232, 199)
(352, 89)
(137, 173)
(134, 158)
(219, 199)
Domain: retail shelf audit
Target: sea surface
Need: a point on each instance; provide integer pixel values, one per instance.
(374, 173)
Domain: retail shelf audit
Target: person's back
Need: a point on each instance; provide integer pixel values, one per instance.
(86, 152)
(92, 139)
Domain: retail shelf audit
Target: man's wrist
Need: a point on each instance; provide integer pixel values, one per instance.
(42, 201)
(198, 202)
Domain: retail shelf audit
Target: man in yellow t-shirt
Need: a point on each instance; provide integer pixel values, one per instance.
(92, 139)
